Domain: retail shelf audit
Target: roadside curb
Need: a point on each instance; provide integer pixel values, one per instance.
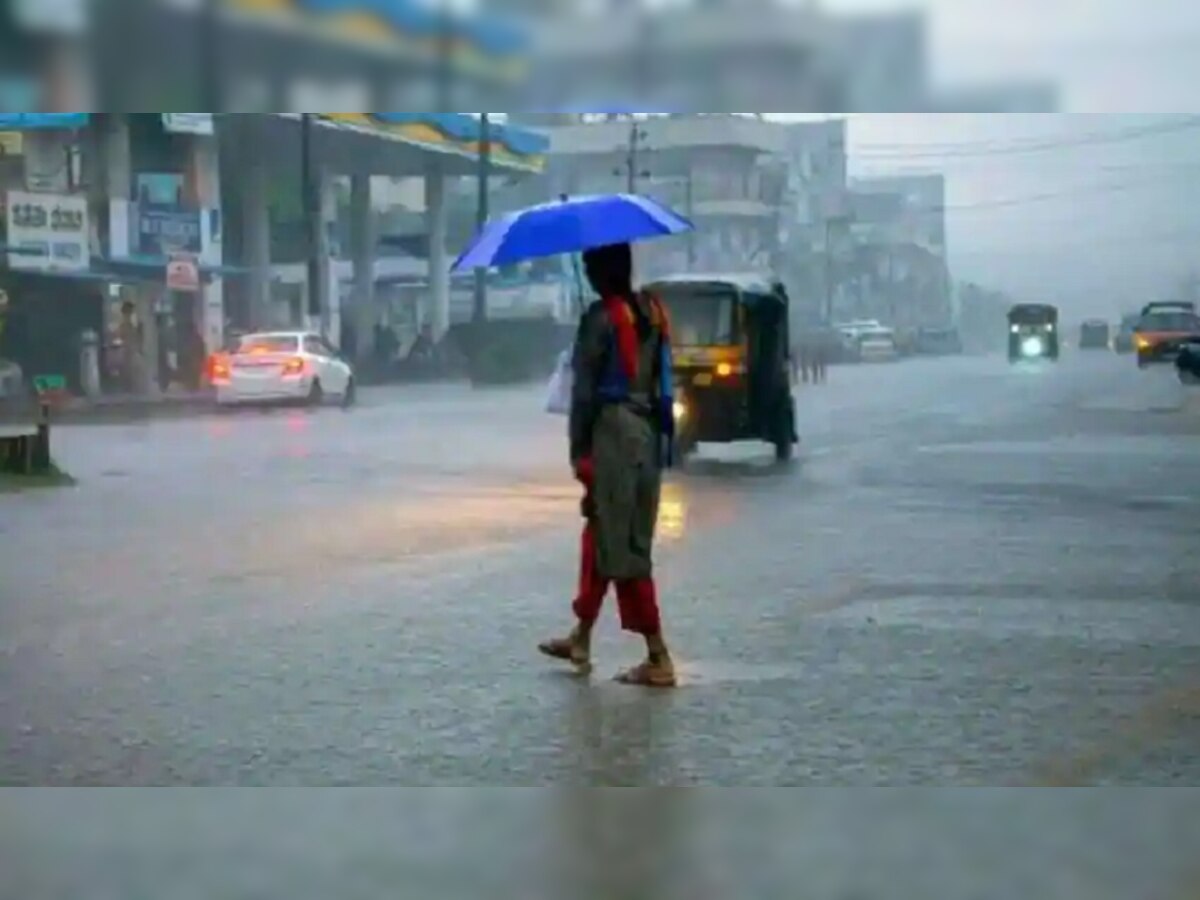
(82, 411)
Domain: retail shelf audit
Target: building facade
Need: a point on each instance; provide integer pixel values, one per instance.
(899, 271)
(102, 212)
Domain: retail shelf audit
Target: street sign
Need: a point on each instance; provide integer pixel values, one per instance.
(183, 274)
(51, 390)
(48, 384)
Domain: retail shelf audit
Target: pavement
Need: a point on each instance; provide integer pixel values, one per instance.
(974, 575)
(110, 408)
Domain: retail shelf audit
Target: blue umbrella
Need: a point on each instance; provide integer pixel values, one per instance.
(571, 225)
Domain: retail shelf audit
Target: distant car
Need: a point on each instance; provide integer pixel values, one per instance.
(1123, 340)
(1162, 331)
(295, 366)
(1094, 335)
(877, 345)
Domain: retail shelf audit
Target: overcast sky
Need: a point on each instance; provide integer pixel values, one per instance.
(1102, 217)
(1108, 55)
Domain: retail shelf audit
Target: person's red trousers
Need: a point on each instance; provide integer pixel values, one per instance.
(636, 598)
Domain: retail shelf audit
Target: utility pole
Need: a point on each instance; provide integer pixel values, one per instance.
(444, 56)
(632, 155)
(318, 308)
(829, 271)
(635, 136)
(690, 204)
(210, 55)
(482, 210)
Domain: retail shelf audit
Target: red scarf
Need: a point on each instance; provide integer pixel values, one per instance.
(624, 321)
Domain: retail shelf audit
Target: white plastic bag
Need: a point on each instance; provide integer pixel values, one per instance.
(562, 384)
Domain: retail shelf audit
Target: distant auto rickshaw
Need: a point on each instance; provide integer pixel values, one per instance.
(1032, 332)
(732, 361)
(1094, 335)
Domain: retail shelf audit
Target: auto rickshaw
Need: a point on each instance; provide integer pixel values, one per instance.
(732, 361)
(1032, 332)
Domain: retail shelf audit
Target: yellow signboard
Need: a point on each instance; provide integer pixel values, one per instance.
(11, 143)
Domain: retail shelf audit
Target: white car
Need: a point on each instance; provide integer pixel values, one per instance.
(877, 345)
(282, 366)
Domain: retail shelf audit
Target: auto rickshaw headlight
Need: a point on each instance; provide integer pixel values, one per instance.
(1016, 329)
(1032, 347)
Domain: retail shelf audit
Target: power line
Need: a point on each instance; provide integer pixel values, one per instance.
(1174, 236)
(991, 148)
(1091, 190)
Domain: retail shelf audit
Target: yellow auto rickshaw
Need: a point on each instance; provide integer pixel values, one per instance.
(732, 361)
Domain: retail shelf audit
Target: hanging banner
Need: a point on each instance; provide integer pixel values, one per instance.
(47, 232)
(189, 123)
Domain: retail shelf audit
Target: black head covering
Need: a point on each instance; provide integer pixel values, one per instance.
(610, 270)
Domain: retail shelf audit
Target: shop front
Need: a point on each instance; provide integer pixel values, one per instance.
(54, 297)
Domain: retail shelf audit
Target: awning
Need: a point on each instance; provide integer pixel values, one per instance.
(36, 121)
(154, 268)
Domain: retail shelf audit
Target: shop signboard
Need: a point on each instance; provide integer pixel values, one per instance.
(189, 123)
(47, 232)
(163, 230)
(183, 273)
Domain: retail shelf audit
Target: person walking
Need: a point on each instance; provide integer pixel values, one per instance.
(621, 430)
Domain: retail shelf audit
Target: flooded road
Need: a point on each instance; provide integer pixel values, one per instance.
(974, 575)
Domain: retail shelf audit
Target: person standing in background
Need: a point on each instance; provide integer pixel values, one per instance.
(129, 332)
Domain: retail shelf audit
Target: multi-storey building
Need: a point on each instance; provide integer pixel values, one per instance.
(725, 171)
(899, 271)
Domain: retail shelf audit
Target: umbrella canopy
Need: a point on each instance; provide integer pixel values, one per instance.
(570, 226)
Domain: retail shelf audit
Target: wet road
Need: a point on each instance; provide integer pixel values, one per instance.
(974, 575)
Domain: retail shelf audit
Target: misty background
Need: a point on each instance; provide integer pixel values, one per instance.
(1096, 212)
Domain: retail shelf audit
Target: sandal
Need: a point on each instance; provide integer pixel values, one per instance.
(569, 650)
(650, 675)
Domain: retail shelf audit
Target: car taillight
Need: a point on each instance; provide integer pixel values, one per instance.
(294, 366)
(218, 369)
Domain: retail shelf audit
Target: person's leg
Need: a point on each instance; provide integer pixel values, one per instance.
(592, 588)
(576, 648)
(640, 614)
(638, 595)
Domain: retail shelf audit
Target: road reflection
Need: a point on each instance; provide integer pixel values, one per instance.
(672, 513)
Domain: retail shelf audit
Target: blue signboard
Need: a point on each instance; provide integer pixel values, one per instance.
(163, 230)
(32, 121)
